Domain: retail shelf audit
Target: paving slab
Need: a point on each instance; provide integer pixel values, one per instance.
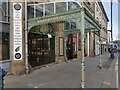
(67, 75)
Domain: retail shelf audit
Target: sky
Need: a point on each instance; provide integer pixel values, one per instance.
(107, 6)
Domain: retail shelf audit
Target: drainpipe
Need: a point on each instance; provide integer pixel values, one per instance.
(26, 39)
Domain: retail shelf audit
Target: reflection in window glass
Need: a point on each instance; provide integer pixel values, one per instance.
(2, 11)
(72, 5)
(60, 7)
(4, 7)
(30, 12)
(49, 9)
(39, 11)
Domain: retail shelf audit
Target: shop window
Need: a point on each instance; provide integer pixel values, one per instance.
(5, 46)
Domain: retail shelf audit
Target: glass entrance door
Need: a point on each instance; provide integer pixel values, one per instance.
(41, 49)
(69, 44)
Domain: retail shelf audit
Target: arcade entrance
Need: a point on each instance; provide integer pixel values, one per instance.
(71, 44)
(41, 49)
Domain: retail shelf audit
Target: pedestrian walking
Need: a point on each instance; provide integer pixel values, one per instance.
(112, 52)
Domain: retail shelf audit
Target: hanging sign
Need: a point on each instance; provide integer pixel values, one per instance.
(17, 29)
(49, 35)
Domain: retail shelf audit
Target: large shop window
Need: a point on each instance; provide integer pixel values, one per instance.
(4, 29)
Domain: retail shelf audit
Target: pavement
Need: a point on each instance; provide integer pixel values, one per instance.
(68, 75)
(5, 64)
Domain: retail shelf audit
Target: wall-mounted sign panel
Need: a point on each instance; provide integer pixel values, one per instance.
(17, 29)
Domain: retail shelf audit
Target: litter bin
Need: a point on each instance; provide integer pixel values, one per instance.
(2, 74)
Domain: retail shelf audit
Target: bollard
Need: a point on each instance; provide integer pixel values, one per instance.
(2, 74)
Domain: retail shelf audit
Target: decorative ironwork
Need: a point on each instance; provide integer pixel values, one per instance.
(54, 18)
(90, 22)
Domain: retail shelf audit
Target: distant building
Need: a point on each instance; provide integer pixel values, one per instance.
(102, 18)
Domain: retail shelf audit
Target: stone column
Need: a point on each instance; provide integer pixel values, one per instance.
(17, 39)
(59, 33)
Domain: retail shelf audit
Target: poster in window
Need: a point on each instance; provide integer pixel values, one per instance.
(61, 49)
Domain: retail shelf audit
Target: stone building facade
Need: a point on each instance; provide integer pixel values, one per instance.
(102, 18)
(54, 33)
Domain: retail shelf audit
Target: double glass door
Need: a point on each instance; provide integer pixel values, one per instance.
(41, 49)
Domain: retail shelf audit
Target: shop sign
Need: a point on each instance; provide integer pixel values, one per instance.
(17, 29)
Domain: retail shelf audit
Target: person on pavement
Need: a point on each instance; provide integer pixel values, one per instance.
(112, 52)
